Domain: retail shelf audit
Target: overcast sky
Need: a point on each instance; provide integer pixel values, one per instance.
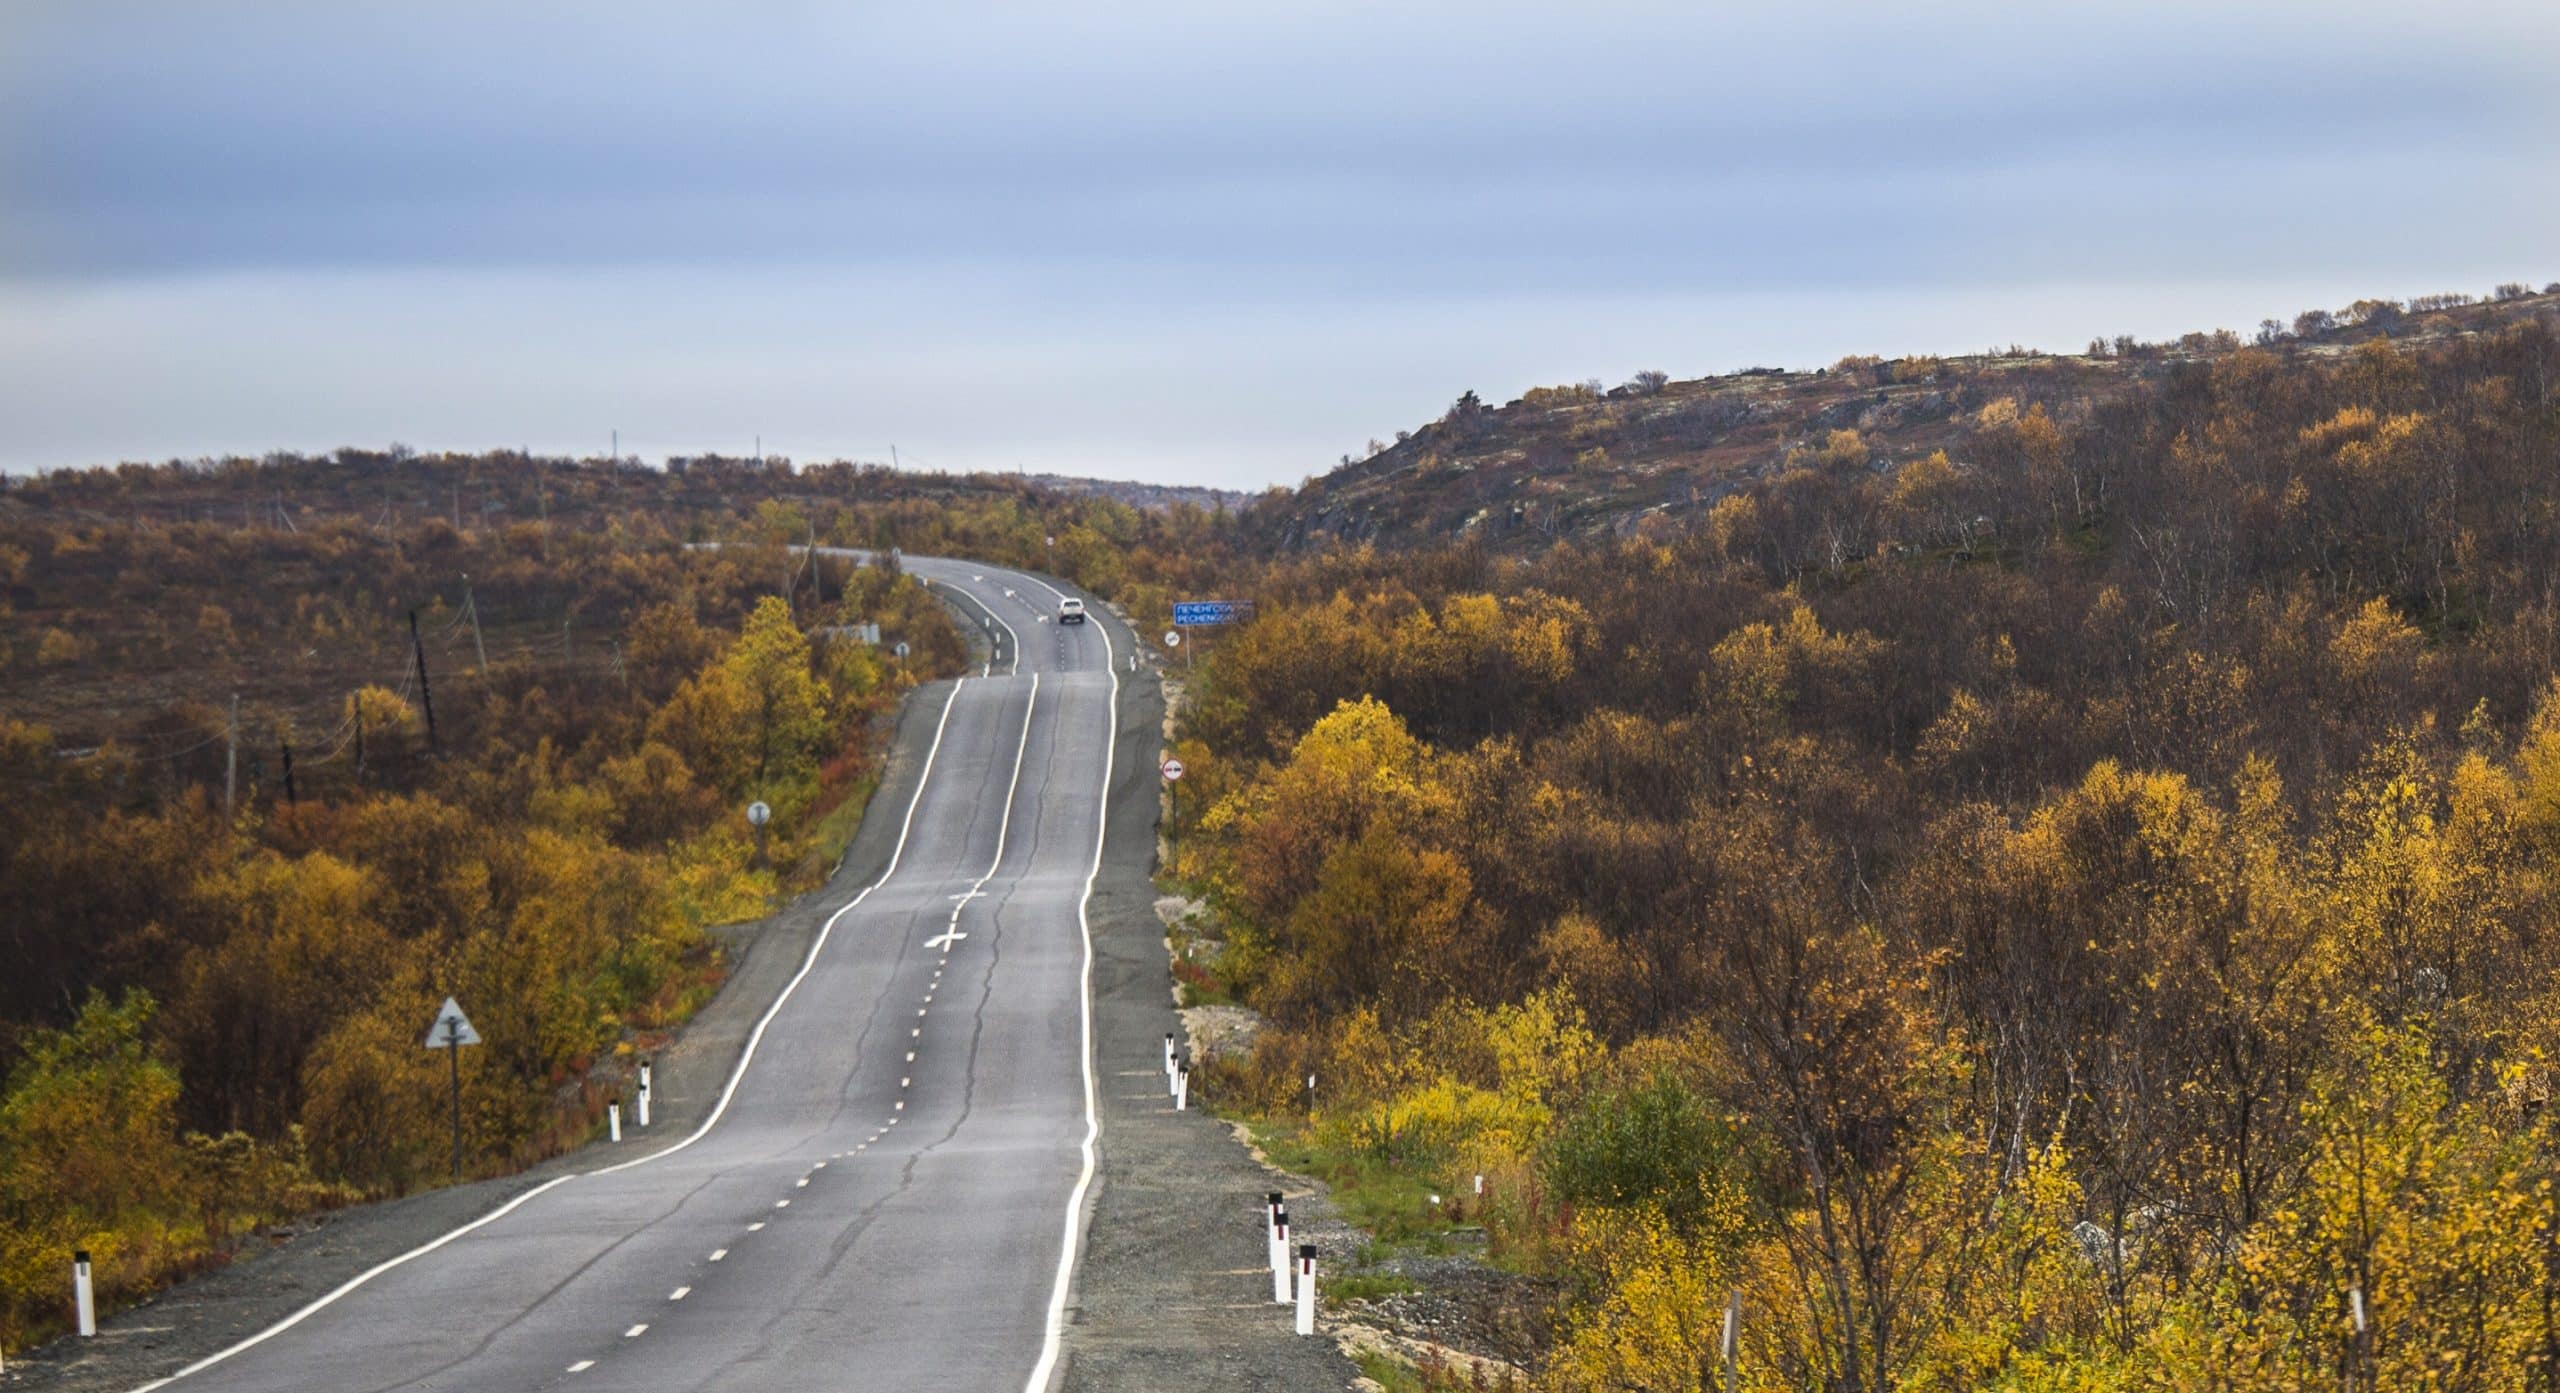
(1217, 243)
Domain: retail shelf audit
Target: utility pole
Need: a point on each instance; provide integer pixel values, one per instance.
(1731, 1337)
(426, 698)
(231, 757)
(471, 607)
(291, 795)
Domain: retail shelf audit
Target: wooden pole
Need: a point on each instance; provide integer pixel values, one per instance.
(426, 698)
(231, 757)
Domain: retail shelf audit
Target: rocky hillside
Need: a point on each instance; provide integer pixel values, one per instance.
(1586, 461)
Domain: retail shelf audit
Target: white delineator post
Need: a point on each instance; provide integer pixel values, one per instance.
(1274, 1256)
(613, 1117)
(644, 1093)
(83, 1300)
(1182, 1089)
(1279, 1256)
(1168, 1054)
(1306, 1289)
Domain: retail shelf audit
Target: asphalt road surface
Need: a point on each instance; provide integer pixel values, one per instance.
(888, 1196)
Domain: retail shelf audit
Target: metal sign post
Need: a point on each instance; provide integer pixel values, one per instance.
(450, 1032)
(1199, 614)
(758, 815)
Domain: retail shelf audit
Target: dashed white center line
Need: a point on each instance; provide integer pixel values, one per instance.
(719, 1253)
(636, 1331)
(911, 1056)
(582, 1366)
(679, 1293)
(757, 1226)
(801, 1184)
(782, 1204)
(906, 1082)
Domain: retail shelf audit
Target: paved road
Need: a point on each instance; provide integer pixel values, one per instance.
(885, 1199)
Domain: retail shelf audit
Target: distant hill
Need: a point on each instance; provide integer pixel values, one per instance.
(1155, 497)
(1586, 462)
(387, 486)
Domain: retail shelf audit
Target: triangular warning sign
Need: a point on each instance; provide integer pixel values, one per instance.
(451, 1028)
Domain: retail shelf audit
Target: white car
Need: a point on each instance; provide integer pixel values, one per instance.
(1071, 611)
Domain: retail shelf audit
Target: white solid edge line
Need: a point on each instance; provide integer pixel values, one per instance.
(1047, 1368)
(727, 1092)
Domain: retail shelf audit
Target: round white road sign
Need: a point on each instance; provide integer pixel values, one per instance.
(1172, 768)
(758, 814)
(1173, 638)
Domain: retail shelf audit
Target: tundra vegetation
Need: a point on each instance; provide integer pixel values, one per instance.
(2073, 909)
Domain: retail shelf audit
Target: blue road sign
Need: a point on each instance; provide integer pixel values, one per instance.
(1191, 613)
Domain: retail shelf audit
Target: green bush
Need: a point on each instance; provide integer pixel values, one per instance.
(1657, 1144)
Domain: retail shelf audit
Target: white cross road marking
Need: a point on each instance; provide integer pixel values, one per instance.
(945, 939)
(967, 896)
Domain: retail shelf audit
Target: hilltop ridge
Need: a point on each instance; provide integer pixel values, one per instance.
(1583, 461)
